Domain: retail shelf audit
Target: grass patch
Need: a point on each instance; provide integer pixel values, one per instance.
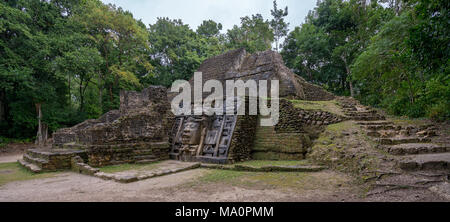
(346, 147)
(342, 126)
(261, 163)
(10, 172)
(328, 106)
(298, 180)
(405, 121)
(272, 180)
(221, 176)
(128, 167)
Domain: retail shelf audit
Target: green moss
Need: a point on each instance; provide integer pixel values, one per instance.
(339, 127)
(127, 167)
(276, 156)
(353, 152)
(405, 121)
(10, 172)
(328, 106)
(261, 163)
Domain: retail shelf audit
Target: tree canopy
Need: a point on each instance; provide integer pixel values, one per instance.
(391, 54)
(71, 58)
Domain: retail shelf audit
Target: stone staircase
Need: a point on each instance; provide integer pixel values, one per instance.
(269, 144)
(46, 159)
(412, 144)
(424, 158)
(152, 154)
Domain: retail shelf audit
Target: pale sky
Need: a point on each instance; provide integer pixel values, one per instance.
(227, 12)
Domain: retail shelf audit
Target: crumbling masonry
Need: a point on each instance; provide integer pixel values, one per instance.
(144, 129)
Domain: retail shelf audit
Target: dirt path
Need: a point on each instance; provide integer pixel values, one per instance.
(184, 186)
(10, 158)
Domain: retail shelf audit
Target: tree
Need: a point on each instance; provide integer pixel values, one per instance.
(334, 34)
(175, 51)
(405, 67)
(209, 28)
(279, 26)
(82, 64)
(122, 42)
(254, 34)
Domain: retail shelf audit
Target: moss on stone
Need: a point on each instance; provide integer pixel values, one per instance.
(327, 106)
(344, 147)
(261, 163)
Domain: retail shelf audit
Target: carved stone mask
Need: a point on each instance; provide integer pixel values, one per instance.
(191, 132)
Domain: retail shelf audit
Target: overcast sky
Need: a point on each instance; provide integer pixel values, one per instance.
(227, 12)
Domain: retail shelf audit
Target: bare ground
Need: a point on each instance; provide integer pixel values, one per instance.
(15, 148)
(10, 158)
(185, 186)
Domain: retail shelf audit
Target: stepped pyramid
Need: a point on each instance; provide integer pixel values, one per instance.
(267, 65)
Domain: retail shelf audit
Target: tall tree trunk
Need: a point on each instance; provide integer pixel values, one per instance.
(70, 94)
(2, 106)
(352, 93)
(81, 96)
(111, 99)
(42, 133)
(100, 91)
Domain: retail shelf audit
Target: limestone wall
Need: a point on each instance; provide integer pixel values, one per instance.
(243, 138)
(290, 139)
(143, 120)
(103, 155)
(314, 92)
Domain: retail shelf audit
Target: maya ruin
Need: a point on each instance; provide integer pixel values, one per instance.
(144, 131)
(225, 101)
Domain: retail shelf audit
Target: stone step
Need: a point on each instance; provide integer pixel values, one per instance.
(34, 160)
(38, 154)
(440, 161)
(370, 123)
(415, 148)
(368, 118)
(364, 113)
(147, 161)
(388, 134)
(144, 157)
(400, 140)
(144, 152)
(32, 167)
(382, 127)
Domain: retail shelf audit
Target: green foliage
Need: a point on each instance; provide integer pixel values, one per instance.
(254, 34)
(209, 29)
(405, 67)
(393, 57)
(323, 48)
(278, 25)
(74, 57)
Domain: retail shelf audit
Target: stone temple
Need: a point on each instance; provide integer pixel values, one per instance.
(144, 129)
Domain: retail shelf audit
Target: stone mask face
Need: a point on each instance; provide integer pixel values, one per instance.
(191, 133)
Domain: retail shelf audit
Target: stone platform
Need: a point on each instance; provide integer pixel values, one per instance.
(39, 160)
(150, 171)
